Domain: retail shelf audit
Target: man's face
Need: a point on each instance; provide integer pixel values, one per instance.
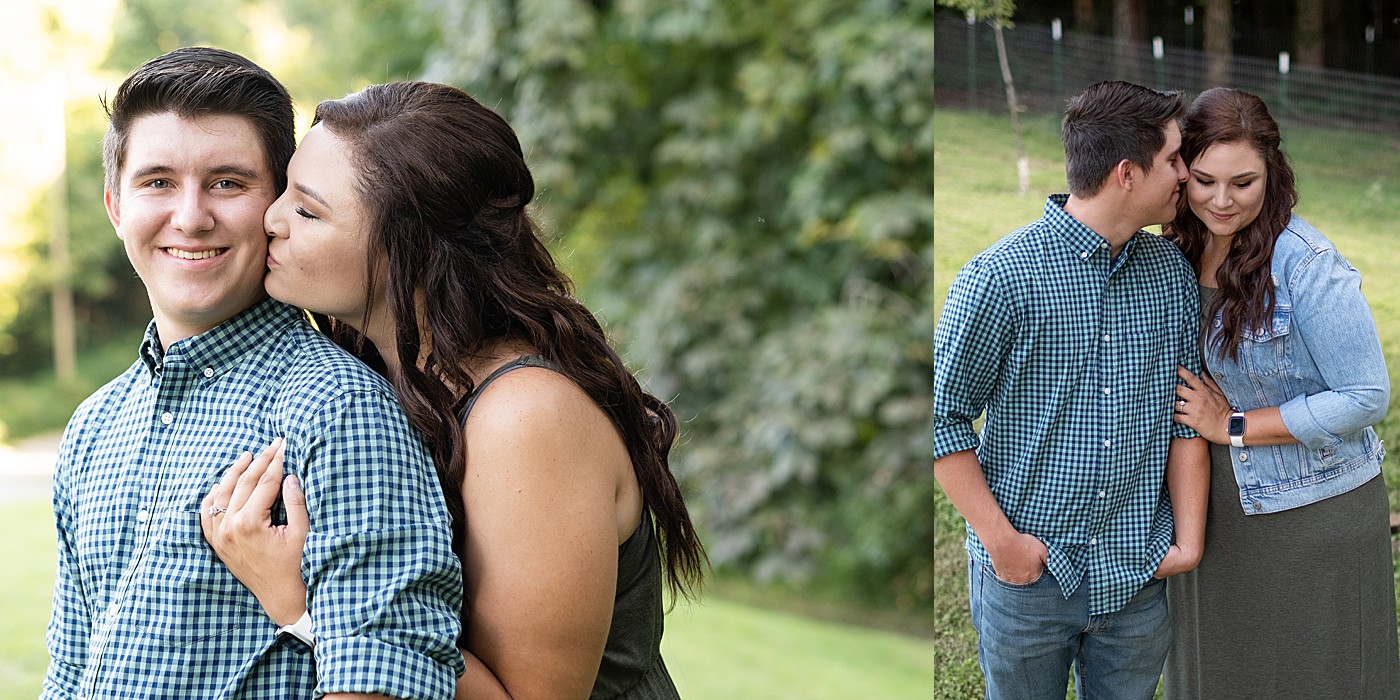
(1162, 184)
(189, 210)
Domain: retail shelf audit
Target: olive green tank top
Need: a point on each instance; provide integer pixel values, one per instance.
(632, 667)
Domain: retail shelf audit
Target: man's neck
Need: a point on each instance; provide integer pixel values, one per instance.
(172, 330)
(1104, 218)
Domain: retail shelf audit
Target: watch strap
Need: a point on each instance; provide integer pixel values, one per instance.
(298, 635)
(1237, 439)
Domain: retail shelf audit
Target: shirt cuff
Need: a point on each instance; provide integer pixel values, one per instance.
(61, 681)
(953, 438)
(368, 665)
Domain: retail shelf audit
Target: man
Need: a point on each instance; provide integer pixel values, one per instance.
(1068, 334)
(197, 149)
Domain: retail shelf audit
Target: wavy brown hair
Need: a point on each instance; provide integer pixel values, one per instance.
(1245, 286)
(445, 184)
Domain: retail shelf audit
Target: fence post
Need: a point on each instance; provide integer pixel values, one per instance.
(971, 59)
(1055, 34)
(1282, 89)
(1370, 69)
(1157, 54)
(1190, 47)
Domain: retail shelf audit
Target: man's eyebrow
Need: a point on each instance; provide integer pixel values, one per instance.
(312, 194)
(230, 169)
(150, 170)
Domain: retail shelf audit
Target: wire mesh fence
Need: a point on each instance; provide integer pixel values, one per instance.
(1049, 66)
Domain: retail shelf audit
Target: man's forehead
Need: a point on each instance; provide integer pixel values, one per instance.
(167, 140)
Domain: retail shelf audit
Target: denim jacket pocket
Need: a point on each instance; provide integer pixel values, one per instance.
(1263, 351)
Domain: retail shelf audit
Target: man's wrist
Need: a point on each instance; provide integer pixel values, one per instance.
(998, 536)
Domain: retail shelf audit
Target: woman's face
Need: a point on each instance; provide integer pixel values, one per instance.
(1226, 187)
(319, 232)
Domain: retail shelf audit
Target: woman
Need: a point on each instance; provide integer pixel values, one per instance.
(1294, 596)
(404, 229)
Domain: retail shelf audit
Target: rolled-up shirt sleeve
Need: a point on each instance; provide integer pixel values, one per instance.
(969, 345)
(1189, 351)
(1336, 326)
(383, 585)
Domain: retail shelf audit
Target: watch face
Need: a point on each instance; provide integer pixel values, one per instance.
(1236, 426)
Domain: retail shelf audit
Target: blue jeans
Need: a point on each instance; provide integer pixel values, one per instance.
(1028, 635)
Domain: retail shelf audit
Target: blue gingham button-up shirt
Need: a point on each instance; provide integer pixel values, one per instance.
(143, 608)
(1073, 356)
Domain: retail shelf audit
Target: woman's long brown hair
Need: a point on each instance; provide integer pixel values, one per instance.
(1245, 286)
(446, 187)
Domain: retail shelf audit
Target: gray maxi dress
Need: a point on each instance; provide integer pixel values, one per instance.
(1295, 604)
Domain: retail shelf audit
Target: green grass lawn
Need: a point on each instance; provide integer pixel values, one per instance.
(717, 649)
(1349, 188)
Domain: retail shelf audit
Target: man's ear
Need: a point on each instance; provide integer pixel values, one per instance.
(114, 210)
(1125, 174)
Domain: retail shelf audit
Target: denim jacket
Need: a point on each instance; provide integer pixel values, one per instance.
(1320, 362)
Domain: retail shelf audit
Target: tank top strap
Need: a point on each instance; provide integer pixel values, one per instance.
(523, 361)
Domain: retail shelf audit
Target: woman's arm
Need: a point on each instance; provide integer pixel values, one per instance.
(1339, 333)
(1188, 486)
(1334, 322)
(265, 558)
(1202, 406)
(545, 471)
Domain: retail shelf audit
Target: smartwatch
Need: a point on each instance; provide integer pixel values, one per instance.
(297, 636)
(1236, 429)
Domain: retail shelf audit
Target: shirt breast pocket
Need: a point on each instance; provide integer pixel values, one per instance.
(1264, 351)
(188, 596)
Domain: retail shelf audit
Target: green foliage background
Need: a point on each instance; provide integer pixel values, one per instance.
(743, 193)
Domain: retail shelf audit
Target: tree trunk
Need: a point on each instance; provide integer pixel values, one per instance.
(1129, 37)
(62, 314)
(1219, 42)
(1084, 21)
(1310, 33)
(1023, 163)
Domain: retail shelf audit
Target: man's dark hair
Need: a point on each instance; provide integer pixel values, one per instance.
(195, 82)
(1112, 121)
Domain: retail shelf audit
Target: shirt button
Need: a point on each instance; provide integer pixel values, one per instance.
(1084, 255)
(1107, 443)
(1103, 494)
(167, 418)
(1107, 391)
(1105, 337)
(1217, 323)
(143, 515)
(1093, 540)
(208, 372)
(1104, 245)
